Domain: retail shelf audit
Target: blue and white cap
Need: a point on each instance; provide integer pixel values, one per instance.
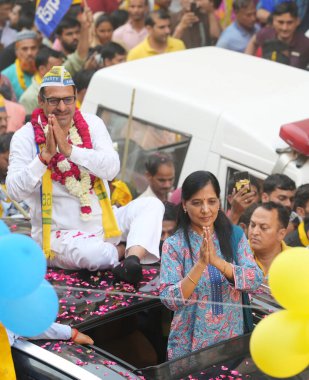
(57, 76)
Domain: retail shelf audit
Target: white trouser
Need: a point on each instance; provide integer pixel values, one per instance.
(141, 224)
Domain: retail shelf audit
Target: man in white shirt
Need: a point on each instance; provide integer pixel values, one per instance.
(160, 173)
(70, 213)
(7, 34)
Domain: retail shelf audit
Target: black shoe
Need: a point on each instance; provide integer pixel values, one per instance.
(129, 270)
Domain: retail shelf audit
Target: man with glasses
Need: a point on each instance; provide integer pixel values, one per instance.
(60, 163)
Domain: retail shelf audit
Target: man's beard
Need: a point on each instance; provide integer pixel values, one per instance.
(70, 48)
(28, 67)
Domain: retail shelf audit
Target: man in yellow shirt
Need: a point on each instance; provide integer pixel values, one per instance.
(159, 41)
(267, 229)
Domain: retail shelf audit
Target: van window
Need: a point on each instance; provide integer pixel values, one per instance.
(142, 138)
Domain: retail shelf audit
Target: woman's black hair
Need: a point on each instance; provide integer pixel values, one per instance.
(222, 225)
(103, 18)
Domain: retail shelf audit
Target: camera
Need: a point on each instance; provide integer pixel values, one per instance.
(99, 59)
(194, 8)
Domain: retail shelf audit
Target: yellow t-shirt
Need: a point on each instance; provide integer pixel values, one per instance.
(284, 247)
(144, 50)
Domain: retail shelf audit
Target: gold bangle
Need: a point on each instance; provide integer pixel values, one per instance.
(224, 268)
(191, 279)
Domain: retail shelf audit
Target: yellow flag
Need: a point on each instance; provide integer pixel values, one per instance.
(7, 371)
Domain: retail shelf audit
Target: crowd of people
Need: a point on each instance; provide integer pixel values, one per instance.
(96, 36)
(63, 165)
(103, 34)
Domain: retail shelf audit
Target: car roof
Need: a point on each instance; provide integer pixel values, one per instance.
(90, 299)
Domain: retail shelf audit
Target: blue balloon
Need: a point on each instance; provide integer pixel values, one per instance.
(4, 229)
(22, 265)
(31, 315)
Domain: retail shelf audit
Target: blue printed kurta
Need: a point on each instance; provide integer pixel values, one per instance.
(200, 324)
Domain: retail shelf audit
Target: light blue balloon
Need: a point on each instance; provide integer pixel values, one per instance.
(31, 315)
(22, 265)
(4, 229)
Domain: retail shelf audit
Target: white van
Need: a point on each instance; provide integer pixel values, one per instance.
(213, 109)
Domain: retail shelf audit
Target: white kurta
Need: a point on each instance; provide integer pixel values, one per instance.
(148, 193)
(78, 243)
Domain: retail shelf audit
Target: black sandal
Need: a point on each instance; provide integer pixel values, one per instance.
(129, 270)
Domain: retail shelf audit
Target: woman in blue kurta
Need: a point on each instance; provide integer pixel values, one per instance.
(201, 277)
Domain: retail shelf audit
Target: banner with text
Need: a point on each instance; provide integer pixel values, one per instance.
(49, 13)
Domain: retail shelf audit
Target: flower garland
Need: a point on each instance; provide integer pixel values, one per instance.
(76, 179)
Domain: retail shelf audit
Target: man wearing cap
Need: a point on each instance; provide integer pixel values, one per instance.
(44, 61)
(60, 163)
(21, 71)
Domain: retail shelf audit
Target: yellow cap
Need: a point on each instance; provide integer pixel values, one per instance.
(57, 76)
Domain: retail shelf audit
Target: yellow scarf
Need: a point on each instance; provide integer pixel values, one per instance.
(303, 235)
(121, 194)
(46, 204)
(7, 200)
(7, 371)
(20, 75)
(37, 77)
(109, 221)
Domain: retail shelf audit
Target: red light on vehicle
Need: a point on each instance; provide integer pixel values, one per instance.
(297, 135)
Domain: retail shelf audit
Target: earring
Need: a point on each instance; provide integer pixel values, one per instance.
(185, 210)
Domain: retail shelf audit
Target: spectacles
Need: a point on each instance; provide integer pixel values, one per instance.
(55, 101)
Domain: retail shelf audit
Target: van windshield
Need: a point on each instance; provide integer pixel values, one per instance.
(136, 140)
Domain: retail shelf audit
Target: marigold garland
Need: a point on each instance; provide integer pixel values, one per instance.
(76, 179)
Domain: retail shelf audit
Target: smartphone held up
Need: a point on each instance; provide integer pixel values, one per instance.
(241, 179)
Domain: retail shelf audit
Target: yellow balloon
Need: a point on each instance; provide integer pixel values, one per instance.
(289, 279)
(278, 344)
